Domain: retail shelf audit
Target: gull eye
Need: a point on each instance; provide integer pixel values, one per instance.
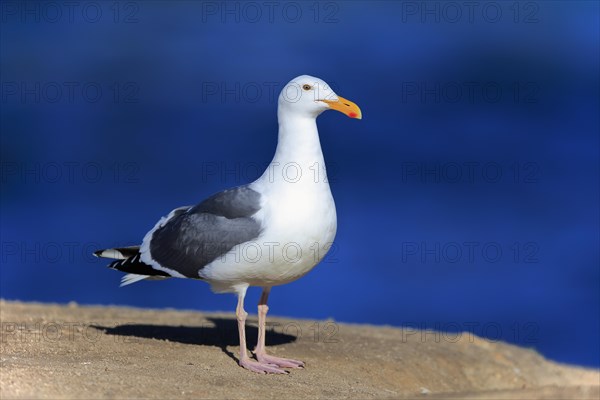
(306, 87)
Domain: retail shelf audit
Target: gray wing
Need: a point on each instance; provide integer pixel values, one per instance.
(191, 239)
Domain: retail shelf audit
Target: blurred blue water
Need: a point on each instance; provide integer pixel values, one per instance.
(467, 197)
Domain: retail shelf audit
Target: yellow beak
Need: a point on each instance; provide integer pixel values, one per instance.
(344, 106)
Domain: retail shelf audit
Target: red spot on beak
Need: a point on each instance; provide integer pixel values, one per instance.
(353, 115)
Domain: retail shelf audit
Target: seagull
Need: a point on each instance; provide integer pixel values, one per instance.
(266, 233)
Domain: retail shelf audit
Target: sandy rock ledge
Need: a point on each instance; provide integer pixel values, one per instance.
(70, 351)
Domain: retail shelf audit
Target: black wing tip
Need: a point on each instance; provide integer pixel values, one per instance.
(133, 265)
(115, 264)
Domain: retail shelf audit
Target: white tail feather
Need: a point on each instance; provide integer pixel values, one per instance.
(132, 278)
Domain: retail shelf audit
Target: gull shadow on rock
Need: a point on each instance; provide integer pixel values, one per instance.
(218, 332)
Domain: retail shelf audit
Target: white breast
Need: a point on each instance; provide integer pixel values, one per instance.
(303, 221)
(299, 223)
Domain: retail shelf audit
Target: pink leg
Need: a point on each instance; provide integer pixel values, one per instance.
(245, 361)
(260, 350)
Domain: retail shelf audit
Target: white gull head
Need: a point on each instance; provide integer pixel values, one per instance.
(308, 96)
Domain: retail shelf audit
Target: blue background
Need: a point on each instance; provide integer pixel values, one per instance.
(480, 132)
